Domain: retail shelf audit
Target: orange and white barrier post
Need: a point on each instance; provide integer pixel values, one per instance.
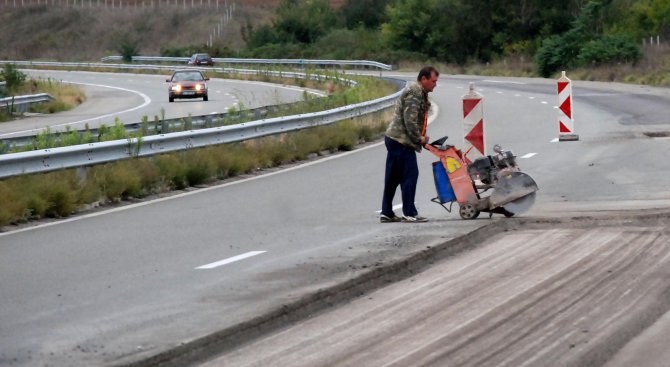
(473, 124)
(566, 121)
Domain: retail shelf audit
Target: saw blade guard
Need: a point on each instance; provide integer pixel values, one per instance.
(512, 186)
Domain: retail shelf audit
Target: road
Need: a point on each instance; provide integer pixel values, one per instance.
(118, 285)
(129, 97)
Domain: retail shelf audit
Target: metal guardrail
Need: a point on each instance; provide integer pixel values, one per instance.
(21, 103)
(161, 126)
(278, 73)
(295, 62)
(95, 153)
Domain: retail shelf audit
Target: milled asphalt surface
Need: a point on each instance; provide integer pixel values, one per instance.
(520, 292)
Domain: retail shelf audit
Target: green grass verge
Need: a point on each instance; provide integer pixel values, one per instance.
(62, 193)
(66, 97)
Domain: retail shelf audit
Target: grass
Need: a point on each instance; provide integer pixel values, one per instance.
(66, 96)
(63, 193)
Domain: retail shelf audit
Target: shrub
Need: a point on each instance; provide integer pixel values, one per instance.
(128, 50)
(13, 77)
(610, 49)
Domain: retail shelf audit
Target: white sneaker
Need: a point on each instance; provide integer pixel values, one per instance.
(415, 219)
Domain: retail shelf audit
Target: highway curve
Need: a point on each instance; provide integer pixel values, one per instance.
(198, 276)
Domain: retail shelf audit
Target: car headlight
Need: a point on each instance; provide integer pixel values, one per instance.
(199, 87)
(176, 88)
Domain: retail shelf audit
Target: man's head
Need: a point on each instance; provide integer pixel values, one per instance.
(428, 78)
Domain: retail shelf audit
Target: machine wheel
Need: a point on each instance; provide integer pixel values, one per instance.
(171, 99)
(468, 211)
(508, 214)
(205, 98)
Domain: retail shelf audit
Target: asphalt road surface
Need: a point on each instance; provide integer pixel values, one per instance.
(120, 285)
(129, 97)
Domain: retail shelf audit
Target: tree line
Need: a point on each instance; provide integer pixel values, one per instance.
(556, 35)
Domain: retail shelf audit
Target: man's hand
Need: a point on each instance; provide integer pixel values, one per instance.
(425, 139)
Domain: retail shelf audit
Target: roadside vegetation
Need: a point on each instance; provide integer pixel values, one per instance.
(62, 193)
(339, 94)
(525, 38)
(66, 96)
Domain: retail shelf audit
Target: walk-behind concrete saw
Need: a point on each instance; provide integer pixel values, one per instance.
(492, 184)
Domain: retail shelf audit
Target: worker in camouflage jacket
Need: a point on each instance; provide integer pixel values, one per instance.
(404, 138)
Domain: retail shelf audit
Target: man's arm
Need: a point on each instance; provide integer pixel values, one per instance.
(411, 117)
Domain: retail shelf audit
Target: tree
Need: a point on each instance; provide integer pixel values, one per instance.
(367, 13)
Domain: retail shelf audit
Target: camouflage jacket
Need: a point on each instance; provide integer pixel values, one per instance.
(408, 117)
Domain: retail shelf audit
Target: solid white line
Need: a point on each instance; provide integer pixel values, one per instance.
(431, 118)
(146, 98)
(528, 155)
(231, 260)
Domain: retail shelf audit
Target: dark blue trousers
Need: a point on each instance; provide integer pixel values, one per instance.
(401, 170)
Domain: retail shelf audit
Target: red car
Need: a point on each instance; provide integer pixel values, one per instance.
(187, 84)
(201, 59)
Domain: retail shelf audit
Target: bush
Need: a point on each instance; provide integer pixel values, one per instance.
(610, 49)
(128, 50)
(13, 77)
(551, 56)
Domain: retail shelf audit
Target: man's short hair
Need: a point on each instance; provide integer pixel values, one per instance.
(426, 72)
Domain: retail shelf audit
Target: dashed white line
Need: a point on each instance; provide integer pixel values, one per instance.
(499, 92)
(501, 81)
(531, 97)
(230, 260)
(528, 155)
(555, 140)
(544, 102)
(517, 95)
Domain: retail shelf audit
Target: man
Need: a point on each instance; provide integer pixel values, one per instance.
(405, 136)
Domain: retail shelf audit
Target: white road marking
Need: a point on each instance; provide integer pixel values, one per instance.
(555, 107)
(499, 92)
(544, 102)
(230, 260)
(431, 118)
(528, 155)
(501, 81)
(531, 97)
(395, 207)
(146, 98)
(517, 95)
(555, 140)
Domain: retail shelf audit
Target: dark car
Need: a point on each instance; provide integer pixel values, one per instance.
(201, 59)
(187, 84)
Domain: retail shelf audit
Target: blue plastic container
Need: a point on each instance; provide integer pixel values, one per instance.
(444, 190)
